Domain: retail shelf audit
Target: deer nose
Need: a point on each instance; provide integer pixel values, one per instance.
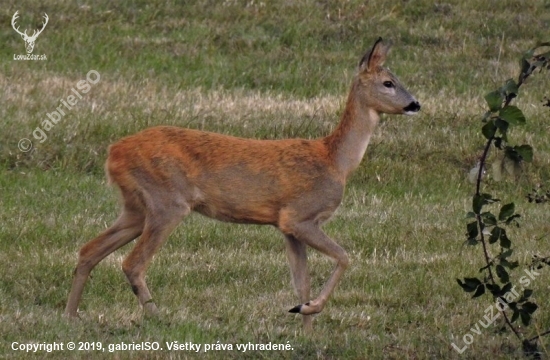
(412, 107)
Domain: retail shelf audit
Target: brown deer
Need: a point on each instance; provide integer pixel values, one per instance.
(166, 172)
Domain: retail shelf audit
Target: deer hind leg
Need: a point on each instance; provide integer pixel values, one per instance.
(310, 234)
(158, 226)
(297, 259)
(125, 229)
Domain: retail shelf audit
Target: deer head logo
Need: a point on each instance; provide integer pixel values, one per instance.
(29, 40)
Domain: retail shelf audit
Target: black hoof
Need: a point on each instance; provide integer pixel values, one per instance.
(295, 309)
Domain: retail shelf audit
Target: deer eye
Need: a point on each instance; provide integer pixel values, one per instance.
(388, 84)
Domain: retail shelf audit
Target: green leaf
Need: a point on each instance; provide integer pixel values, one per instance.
(477, 203)
(506, 264)
(499, 140)
(511, 153)
(489, 219)
(506, 254)
(494, 289)
(495, 234)
(512, 114)
(509, 264)
(472, 230)
(527, 293)
(504, 241)
(494, 100)
(464, 286)
(489, 129)
(513, 219)
(529, 307)
(479, 200)
(502, 274)
(502, 126)
(515, 316)
(470, 215)
(473, 281)
(506, 288)
(525, 151)
(525, 317)
(511, 87)
(469, 284)
(479, 291)
(506, 211)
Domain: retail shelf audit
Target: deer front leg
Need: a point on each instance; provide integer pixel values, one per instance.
(310, 234)
(297, 259)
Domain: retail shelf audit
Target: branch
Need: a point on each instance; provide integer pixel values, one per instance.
(539, 336)
(527, 69)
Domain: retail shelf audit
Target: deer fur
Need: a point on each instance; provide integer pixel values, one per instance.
(295, 185)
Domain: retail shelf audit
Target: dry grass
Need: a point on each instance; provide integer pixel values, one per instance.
(268, 74)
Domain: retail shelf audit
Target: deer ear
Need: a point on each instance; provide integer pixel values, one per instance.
(375, 57)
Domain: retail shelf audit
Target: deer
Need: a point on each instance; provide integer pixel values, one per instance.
(165, 172)
(29, 40)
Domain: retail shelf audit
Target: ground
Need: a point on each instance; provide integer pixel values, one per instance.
(265, 70)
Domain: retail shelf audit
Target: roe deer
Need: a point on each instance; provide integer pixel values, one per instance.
(166, 172)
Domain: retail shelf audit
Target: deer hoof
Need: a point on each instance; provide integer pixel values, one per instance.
(304, 309)
(295, 309)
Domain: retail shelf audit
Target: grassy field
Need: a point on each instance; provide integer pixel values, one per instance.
(266, 70)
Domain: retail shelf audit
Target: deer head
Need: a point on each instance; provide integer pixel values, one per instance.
(29, 40)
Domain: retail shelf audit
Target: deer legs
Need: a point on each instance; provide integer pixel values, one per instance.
(158, 226)
(297, 259)
(308, 233)
(154, 229)
(136, 263)
(128, 226)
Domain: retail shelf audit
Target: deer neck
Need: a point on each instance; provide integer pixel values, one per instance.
(348, 142)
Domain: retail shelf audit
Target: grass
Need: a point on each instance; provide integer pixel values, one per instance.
(265, 70)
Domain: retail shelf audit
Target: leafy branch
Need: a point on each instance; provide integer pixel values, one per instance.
(487, 228)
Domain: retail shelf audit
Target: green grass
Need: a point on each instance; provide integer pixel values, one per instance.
(266, 70)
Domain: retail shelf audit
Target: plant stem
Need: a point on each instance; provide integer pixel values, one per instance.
(482, 161)
(507, 100)
(539, 336)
